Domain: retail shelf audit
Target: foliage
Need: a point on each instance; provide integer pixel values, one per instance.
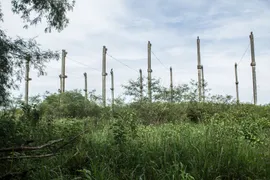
(227, 99)
(14, 52)
(95, 98)
(148, 141)
(158, 113)
(180, 92)
(133, 88)
(53, 11)
(119, 101)
(71, 104)
(125, 125)
(184, 139)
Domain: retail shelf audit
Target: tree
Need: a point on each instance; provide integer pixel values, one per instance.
(181, 92)
(133, 88)
(95, 98)
(14, 52)
(68, 104)
(227, 99)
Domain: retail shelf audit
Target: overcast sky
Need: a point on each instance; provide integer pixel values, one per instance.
(172, 26)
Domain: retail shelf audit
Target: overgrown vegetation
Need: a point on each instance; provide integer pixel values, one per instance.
(65, 136)
(78, 139)
(14, 52)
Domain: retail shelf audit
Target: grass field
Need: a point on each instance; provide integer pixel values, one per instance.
(160, 141)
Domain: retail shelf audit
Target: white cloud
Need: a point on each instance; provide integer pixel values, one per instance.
(172, 27)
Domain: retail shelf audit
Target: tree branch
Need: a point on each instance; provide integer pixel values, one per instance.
(27, 157)
(27, 148)
(17, 149)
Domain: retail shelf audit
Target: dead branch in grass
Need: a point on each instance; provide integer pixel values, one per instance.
(28, 148)
(27, 157)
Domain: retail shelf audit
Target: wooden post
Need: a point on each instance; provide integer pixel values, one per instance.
(112, 89)
(171, 85)
(236, 83)
(149, 72)
(27, 79)
(203, 84)
(63, 75)
(104, 74)
(253, 65)
(85, 86)
(141, 85)
(199, 67)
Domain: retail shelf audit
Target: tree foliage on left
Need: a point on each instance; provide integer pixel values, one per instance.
(14, 52)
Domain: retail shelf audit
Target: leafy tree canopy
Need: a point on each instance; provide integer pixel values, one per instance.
(180, 92)
(160, 93)
(54, 12)
(14, 52)
(68, 104)
(133, 88)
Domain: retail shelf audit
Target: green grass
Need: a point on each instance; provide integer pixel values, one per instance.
(230, 143)
(184, 150)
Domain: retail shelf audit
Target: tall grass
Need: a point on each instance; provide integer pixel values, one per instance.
(229, 142)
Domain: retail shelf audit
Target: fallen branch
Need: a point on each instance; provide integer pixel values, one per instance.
(38, 147)
(27, 157)
(27, 148)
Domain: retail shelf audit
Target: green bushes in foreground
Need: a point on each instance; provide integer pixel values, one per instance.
(229, 142)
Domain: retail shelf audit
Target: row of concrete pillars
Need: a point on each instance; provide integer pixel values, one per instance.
(201, 80)
(253, 66)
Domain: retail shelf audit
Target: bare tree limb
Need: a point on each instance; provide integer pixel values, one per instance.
(27, 148)
(27, 157)
(17, 149)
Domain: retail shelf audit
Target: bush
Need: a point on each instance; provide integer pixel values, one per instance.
(158, 113)
(70, 104)
(141, 141)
